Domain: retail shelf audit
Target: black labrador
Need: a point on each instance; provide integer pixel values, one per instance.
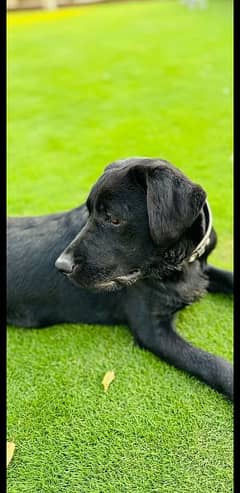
(136, 254)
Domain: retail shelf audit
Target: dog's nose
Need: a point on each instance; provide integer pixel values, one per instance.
(65, 263)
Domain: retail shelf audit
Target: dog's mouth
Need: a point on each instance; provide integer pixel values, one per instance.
(119, 281)
(75, 274)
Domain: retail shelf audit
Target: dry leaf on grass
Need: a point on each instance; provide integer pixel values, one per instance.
(107, 379)
(10, 451)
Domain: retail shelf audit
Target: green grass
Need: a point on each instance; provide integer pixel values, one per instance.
(151, 79)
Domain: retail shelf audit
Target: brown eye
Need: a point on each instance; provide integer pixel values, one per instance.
(114, 221)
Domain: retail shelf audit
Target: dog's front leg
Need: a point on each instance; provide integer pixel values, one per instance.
(220, 281)
(160, 337)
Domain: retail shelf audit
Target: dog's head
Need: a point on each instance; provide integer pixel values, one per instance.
(141, 217)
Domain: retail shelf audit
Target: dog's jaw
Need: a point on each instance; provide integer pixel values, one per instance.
(114, 284)
(119, 282)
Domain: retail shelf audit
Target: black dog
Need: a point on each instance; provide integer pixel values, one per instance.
(136, 253)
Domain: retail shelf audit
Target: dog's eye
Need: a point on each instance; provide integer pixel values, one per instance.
(112, 220)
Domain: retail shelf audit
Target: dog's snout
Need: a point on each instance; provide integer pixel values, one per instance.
(65, 263)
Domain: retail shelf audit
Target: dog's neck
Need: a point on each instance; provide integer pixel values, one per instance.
(207, 227)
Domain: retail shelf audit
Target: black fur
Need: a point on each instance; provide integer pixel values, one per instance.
(126, 252)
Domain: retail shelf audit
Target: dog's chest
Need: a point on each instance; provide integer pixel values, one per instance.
(164, 298)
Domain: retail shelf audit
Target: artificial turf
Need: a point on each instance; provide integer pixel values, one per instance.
(86, 88)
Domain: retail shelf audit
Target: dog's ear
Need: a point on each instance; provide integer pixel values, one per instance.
(173, 203)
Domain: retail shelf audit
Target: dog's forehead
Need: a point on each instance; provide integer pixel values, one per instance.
(113, 184)
(116, 178)
(130, 162)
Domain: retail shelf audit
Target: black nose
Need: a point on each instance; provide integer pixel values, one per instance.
(65, 263)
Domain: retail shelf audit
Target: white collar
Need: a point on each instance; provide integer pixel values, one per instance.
(201, 247)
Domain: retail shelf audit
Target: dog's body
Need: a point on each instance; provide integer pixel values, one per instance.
(51, 298)
(129, 255)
